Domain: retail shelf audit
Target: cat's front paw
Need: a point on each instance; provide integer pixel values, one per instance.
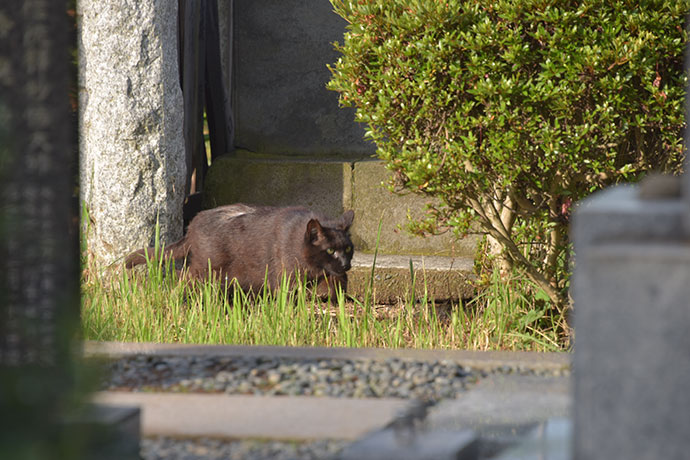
(328, 287)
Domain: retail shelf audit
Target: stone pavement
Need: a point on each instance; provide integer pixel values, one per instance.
(299, 418)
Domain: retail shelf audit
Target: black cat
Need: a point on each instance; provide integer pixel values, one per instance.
(253, 244)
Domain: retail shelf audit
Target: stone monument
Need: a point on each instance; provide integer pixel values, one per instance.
(39, 261)
(281, 105)
(132, 167)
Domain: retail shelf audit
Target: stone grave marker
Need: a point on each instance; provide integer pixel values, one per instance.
(39, 261)
(281, 106)
(41, 410)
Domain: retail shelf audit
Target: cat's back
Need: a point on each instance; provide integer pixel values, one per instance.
(282, 223)
(259, 217)
(251, 226)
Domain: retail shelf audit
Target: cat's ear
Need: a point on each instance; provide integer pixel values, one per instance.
(314, 230)
(346, 220)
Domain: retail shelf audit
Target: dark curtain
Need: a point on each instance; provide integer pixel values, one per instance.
(201, 80)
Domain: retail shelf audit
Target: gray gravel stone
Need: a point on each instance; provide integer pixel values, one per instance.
(392, 378)
(205, 448)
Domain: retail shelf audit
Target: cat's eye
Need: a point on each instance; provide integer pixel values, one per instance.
(330, 251)
(348, 249)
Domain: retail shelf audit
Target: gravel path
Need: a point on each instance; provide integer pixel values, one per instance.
(163, 448)
(391, 378)
(429, 381)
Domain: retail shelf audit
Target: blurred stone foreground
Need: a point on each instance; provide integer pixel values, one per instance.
(39, 272)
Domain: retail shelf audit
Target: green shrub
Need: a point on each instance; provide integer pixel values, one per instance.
(509, 111)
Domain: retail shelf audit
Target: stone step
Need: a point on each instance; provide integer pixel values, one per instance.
(113, 431)
(442, 278)
(331, 186)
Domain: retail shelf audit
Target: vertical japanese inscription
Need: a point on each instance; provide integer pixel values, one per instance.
(39, 260)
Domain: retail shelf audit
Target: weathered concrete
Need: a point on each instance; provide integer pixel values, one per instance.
(323, 186)
(374, 203)
(383, 427)
(548, 441)
(281, 104)
(331, 185)
(437, 445)
(631, 289)
(508, 400)
(480, 360)
(443, 278)
(500, 411)
(226, 416)
(132, 150)
(114, 431)
(631, 363)
(616, 214)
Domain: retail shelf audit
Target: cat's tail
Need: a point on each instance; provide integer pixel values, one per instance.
(177, 250)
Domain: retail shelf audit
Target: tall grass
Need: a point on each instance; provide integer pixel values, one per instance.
(153, 304)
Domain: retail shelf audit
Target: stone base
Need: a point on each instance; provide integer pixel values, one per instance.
(330, 187)
(443, 278)
(391, 444)
(631, 363)
(221, 416)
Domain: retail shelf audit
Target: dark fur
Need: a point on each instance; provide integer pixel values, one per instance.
(254, 243)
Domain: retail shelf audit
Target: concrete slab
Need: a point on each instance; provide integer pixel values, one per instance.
(500, 412)
(226, 416)
(319, 184)
(504, 400)
(548, 441)
(444, 278)
(374, 203)
(479, 360)
(388, 444)
(331, 185)
(112, 432)
(380, 426)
